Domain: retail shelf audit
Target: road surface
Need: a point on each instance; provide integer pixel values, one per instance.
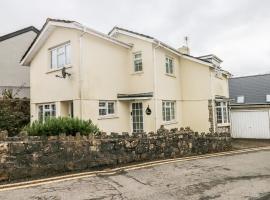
(236, 177)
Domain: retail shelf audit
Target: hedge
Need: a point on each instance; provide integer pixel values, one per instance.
(14, 115)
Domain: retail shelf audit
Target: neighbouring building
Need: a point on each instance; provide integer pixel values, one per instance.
(13, 76)
(124, 81)
(250, 106)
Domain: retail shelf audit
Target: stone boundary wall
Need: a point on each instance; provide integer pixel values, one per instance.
(32, 157)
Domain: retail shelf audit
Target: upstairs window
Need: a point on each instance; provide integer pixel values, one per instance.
(106, 108)
(168, 111)
(240, 99)
(222, 112)
(138, 62)
(169, 65)
(60, 56)
(46, 111)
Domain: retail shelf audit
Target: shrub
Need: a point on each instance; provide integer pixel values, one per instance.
(14, 115)
(56, 126)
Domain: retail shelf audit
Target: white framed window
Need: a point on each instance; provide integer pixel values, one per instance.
(46, 111)
(106, 108)
(168, 111)
(267, 98)
(60, 56)
(169, 65)
(222, 112)
(240, 99)
(138, 67)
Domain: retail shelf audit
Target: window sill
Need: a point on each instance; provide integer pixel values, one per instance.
(171, 75)
(58, 69)
(107, 117)
(169, 122)
(137, 73)
(222, 125)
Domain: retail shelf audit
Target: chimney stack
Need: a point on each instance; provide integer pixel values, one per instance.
(184, 50)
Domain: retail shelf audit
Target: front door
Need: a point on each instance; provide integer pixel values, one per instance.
(137, 117)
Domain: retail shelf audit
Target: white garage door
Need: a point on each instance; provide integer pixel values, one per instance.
(250, 124)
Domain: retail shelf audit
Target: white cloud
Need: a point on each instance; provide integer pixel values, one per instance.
(236, 31)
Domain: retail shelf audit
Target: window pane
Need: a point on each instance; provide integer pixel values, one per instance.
(61, 56)
(40, 113)
(219, 115)
(168, 118)
(68, 54)
(53, 110)
(172, 111)
(53, 58)
(110, 108)
(138, 55)
(102, 104)
(102, 112)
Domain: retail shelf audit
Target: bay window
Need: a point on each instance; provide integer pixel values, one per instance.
(222, 113)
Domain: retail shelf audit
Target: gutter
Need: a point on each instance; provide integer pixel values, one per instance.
(80, 67)
(155, 82)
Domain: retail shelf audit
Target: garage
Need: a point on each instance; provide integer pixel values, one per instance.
(250, 124)
(250, 106)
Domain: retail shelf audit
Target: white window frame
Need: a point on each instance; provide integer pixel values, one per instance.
(240, 99)
(51, 110)
(67, 57)
(106, 108)
(137, 60)
(169, 66)
(222, 108)
(171, 105)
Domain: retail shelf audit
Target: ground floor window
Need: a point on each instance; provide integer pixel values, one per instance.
(106, 108)
(222, 112)
(168, 110)
(46, 111)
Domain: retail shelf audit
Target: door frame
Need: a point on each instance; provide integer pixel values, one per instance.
(131, 116)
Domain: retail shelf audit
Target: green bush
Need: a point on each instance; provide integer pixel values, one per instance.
(56, 126)
(14, 115)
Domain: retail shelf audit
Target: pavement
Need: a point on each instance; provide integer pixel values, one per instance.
(249, 143)
(236, 177)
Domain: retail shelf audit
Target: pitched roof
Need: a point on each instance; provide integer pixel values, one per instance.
(253, 88)
(47, 21)
(198, 59)
(19, 32)
(70, 24)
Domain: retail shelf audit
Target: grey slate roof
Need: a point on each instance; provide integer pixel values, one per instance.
(253, 88)
(19, 32)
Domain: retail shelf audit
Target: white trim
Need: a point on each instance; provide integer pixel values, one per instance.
(131, 116)
(165, 46)
(134, 98)
(170, 107)
(116, 30)
(106, 107)
(74, 25)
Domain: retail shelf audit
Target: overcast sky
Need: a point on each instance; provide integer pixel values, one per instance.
(237, 31)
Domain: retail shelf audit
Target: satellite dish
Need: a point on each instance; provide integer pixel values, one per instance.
(64, 73)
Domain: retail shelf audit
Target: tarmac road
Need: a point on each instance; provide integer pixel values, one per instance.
(236, 177)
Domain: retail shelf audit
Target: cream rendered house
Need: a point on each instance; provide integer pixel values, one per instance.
(124, 81)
